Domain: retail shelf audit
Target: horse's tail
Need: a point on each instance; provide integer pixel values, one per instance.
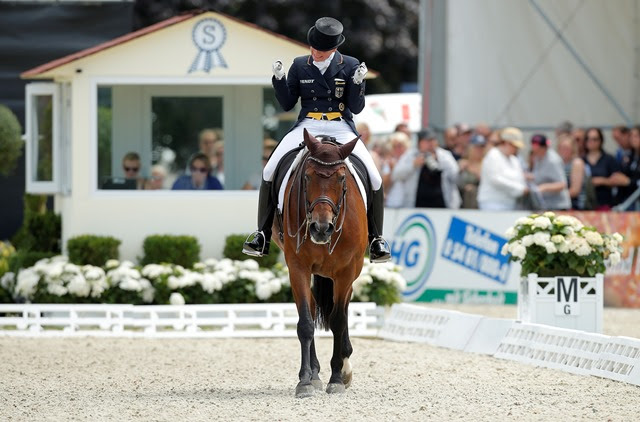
(323, 294)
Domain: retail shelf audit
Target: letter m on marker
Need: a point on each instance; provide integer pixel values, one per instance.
(562, 290)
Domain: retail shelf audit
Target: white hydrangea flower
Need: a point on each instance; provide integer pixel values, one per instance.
(617, 237)
(210, 283)
(519, 251)
(27, 283)
(176, 299)
(263, 291)
(527, 240)
(156, 270)
(563, 247)
(558, 238)
(593, 238)
(541, 238)
(111, 264)
(7, 280)
(505, 249)
(200, 266)
(614, 258)
(550, 247)
(524, 221)
(542, 222)
(510, 233)
(57, 289)
(549, 214)
(78, 286)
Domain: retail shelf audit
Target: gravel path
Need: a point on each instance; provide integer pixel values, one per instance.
(240, 379)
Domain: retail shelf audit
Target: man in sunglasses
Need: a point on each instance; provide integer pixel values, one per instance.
(330, 87)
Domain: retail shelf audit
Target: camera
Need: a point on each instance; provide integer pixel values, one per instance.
(431, 162)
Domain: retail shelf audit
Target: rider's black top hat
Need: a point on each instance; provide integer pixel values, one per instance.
(326, 34)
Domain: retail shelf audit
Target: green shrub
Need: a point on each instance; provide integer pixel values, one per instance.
(179, 250)
(39, 232)
(10, 140)
(92, 250)
(26, 258)
(233, 250)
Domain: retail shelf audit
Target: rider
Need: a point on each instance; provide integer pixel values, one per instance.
(331, 87)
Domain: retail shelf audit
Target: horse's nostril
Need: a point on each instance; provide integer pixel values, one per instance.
(330, 229)
(321, 229)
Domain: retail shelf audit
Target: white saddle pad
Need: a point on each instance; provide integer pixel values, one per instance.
(296, 163)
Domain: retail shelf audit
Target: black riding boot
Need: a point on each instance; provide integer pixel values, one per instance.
(378, 247)
(259, 245)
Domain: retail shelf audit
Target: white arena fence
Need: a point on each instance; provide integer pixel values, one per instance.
(163, 321)
(574, 351)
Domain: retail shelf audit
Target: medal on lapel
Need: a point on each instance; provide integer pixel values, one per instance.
(339, 83)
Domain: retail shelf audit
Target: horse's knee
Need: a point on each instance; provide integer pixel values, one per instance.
(305, 329)
(337, 321)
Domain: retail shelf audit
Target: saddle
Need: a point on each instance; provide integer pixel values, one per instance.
(357, 168)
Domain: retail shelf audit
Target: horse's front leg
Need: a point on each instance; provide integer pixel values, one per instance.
(338, 324)
(305, 329)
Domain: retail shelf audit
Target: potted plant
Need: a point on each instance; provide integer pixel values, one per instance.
(559, 254)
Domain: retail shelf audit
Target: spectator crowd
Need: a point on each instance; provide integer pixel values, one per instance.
(498, 169)
(472, 167)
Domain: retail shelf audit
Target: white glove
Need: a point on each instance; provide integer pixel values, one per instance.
(360, 73)
(278, 71)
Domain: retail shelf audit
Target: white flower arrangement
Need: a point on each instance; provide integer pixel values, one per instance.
(382, 283)
(211, 281)
(551, 245)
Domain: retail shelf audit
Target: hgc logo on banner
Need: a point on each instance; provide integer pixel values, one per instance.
(414, 248)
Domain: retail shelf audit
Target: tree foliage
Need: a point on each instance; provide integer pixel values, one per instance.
(10, 140)
(382, 33)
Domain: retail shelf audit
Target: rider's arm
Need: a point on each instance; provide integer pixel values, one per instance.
(287, 90)
(354, 93)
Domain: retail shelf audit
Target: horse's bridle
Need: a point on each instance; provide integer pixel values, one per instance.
(309, 206)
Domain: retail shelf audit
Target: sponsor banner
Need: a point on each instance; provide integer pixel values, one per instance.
(455, 256)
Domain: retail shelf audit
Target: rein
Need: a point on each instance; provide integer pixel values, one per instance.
(309, 206)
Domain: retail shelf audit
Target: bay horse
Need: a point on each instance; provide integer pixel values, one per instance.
(325, 224)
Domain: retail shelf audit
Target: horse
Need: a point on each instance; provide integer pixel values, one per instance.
(325, 221)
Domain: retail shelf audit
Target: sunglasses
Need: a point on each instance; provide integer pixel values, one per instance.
(131, 169)
(200, 169)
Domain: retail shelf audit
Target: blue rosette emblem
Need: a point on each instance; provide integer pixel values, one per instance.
(209, 36)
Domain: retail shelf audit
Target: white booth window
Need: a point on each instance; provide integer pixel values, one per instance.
(42, 135)
(154, 137)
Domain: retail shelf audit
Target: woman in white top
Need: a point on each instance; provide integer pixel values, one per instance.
(502, 181)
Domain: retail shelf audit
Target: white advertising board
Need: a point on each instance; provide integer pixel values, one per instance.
(453, 256)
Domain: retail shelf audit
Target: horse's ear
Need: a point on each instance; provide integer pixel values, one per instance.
(345, 150)
(310, 141)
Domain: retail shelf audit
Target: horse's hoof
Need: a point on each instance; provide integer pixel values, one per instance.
(304, 390)
(335, 388)
(317, 384)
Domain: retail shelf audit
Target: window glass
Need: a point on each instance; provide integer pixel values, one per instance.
(183, 127)
(43, 131)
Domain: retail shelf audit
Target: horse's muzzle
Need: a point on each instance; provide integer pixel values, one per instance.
(321, 232)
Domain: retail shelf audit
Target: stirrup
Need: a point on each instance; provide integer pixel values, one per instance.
(252, 248)
(386, 253)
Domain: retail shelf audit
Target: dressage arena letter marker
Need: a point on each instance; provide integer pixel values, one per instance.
(567, 297)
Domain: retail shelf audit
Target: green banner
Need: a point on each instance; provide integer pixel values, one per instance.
(485, 297)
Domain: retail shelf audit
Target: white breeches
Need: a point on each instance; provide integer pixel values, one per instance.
(339, 130)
